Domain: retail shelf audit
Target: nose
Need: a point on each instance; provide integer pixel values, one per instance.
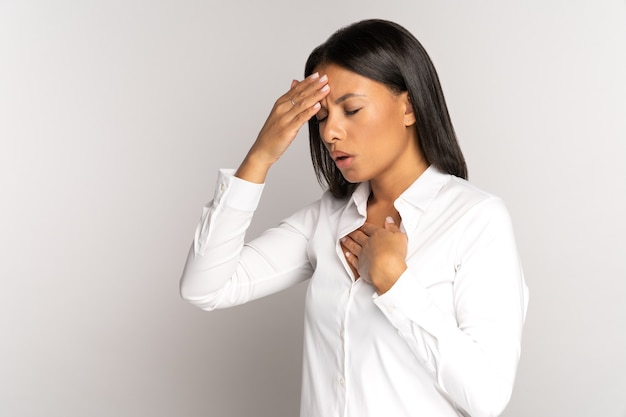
(330, 130)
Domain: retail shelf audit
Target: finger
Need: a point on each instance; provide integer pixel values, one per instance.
(310, 87)
(297, 87)
(301, 86)
(303, 116)
(391, 225)
(307, 93)
(359, 236)
(369, 229)
(352, 259)
(351, 245)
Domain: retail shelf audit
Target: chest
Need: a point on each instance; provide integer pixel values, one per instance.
(335, 286)
(377, 215)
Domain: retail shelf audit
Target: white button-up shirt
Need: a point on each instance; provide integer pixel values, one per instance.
(443, 341)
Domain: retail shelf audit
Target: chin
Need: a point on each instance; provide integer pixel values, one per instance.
(354, 178)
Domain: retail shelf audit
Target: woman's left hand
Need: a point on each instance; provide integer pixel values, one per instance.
(378, 253)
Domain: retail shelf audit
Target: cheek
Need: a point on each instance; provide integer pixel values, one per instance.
(376, 131)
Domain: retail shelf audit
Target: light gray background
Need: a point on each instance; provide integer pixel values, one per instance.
(116, 115)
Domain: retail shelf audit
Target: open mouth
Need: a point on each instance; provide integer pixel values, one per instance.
(339, 155)
(343, 161)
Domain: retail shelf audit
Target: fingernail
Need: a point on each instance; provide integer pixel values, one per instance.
(314, 75)
(325, 88)
(317, 105)
(389, 220)
(347, 254)
(324, 78)
(343, 239)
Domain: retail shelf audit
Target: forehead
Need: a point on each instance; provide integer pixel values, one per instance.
(343, 81)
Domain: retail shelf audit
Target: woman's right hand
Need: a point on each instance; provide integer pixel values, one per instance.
(290, 112)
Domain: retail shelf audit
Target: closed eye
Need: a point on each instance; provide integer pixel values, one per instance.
(322, 119)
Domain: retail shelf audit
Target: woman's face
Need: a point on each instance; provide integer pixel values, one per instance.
(367, 129)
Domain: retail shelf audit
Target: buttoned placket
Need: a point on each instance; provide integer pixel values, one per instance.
(355, 220)
(342, 380)
(346, 346)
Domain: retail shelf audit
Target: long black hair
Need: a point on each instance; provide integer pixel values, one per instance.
(386, 52)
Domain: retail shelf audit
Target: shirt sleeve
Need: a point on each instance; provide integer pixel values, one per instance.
(222, 270)
(474, 352)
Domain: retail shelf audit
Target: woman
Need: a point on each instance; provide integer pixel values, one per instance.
(416, 297)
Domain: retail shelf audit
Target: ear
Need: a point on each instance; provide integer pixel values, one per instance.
(409, 114)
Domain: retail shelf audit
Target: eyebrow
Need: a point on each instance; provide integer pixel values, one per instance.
(347, 96)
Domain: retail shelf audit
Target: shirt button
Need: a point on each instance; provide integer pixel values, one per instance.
(341, 381)
(222, 187)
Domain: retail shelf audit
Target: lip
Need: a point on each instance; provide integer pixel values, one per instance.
(342, 159)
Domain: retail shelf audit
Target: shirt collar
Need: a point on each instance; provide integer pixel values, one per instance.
(412, 202)
(360, 196)
(424, 189)
(415, 200)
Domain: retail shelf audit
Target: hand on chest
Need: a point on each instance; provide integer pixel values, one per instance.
(377, 250)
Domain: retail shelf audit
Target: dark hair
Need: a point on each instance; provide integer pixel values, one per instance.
(386, 52)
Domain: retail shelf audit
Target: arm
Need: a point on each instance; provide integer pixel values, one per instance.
(222, 271)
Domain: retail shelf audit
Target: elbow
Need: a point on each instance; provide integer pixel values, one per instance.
(183, 289)
(491, 407)
(186, 296)
(202, 304)
(484, 395)
(489, 401)
(202, 301)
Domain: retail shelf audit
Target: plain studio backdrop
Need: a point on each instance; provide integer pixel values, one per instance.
(116, 115)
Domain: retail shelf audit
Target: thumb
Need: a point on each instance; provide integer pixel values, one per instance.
(390, 224)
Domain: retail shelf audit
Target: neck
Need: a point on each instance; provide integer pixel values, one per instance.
(386, 189)
(387, 186)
